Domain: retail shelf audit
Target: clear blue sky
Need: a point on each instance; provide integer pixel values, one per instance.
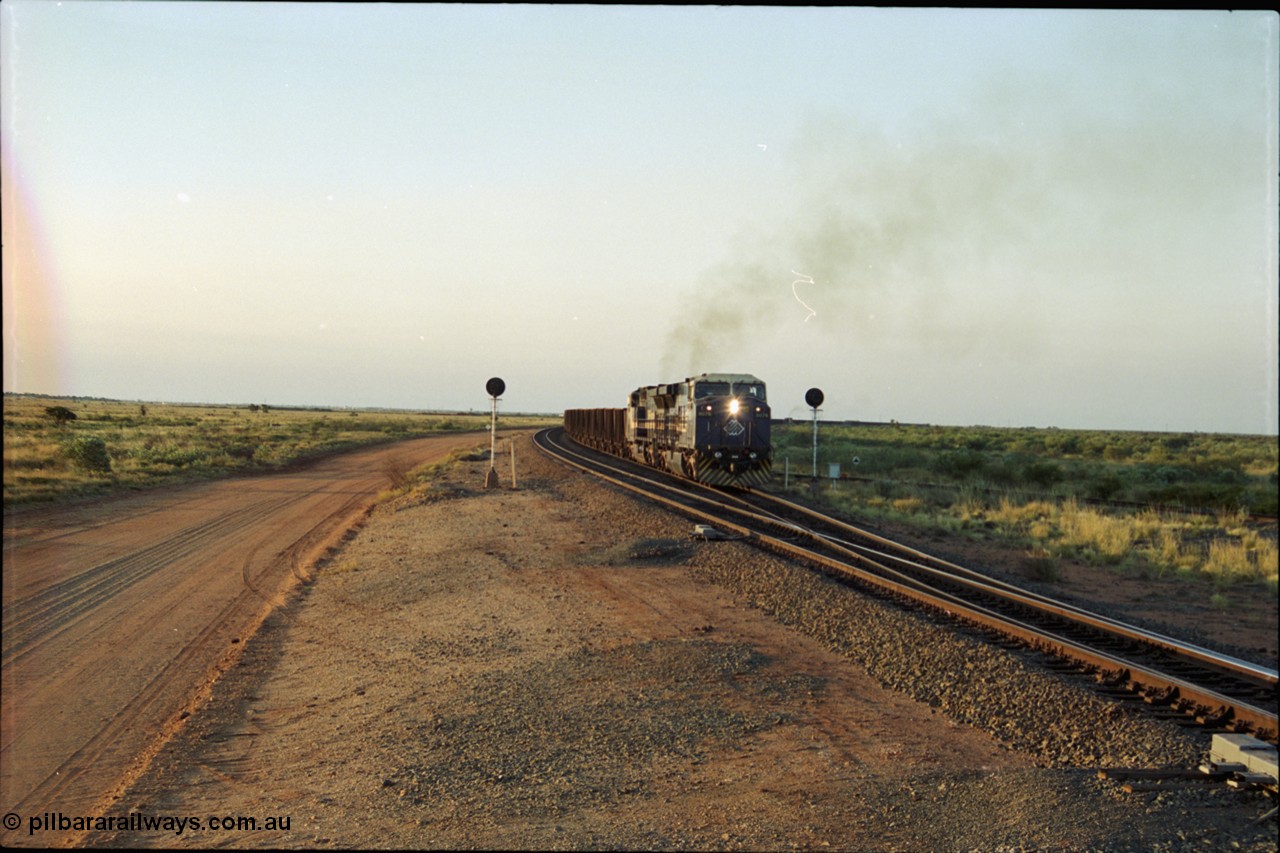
(1017, 218)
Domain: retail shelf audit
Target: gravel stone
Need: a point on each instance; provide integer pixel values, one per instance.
(990, 687)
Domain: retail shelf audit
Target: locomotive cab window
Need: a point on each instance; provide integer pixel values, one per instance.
(711, 389)
(756, 391)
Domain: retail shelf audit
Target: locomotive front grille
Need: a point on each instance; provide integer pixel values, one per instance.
(757, 474)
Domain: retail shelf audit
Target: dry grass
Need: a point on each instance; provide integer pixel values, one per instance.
(907, 506)
(1110, 537)
(156, 443)
(1169, 544)
(1225, 548)
(396, 468)
(1242, 559)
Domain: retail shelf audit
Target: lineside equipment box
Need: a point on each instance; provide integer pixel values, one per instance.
(1244, 751)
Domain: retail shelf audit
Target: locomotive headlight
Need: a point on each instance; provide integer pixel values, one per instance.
(733, 407)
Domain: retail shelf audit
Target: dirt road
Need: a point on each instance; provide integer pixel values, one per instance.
(119, 614)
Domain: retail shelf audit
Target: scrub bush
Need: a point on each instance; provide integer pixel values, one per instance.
(89, 453)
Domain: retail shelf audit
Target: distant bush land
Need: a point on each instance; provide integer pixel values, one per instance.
(58, 448)
(1164, 502)
(1202, 471)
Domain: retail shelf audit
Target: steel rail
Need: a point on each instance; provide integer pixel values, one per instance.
(1208, 702)
(1262, 675)
(1247, 671)
(1171, 689)
(544, 443)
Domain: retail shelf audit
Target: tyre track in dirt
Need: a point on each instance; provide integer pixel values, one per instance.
(34, 621)
(119, 616)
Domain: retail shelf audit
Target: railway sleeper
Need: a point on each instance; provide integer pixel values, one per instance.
(1161, 697)
(1219, 718)
(1150, 780)
(1113, 678)
(1063, 665)
(1169, 713)
(1131, 700)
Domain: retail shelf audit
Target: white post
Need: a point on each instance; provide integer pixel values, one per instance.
(493, 431)
(491, 479)
(815, 444)
(494, 387)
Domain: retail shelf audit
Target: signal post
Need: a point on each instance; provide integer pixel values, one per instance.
(814, 398)
(494, 387)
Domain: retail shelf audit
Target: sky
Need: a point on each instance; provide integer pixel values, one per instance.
(1044, 218)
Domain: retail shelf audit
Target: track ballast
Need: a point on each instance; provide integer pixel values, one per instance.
(1139, 667)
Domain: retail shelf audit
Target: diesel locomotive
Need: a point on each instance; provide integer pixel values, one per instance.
(713, 428)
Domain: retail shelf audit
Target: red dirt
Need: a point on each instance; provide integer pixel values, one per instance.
(120, 613)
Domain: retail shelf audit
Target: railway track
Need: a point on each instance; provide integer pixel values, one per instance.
(1133, 665)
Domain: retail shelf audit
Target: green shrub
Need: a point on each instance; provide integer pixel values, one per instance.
(1044, 473)
(1105, 487)
(1203, 495)
(960, 463)
(1113, 453)
(242, 452)
(1062, 444)
(89, 453)
(1003, 473)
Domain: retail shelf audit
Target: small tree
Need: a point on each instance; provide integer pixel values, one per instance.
(60, 415)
